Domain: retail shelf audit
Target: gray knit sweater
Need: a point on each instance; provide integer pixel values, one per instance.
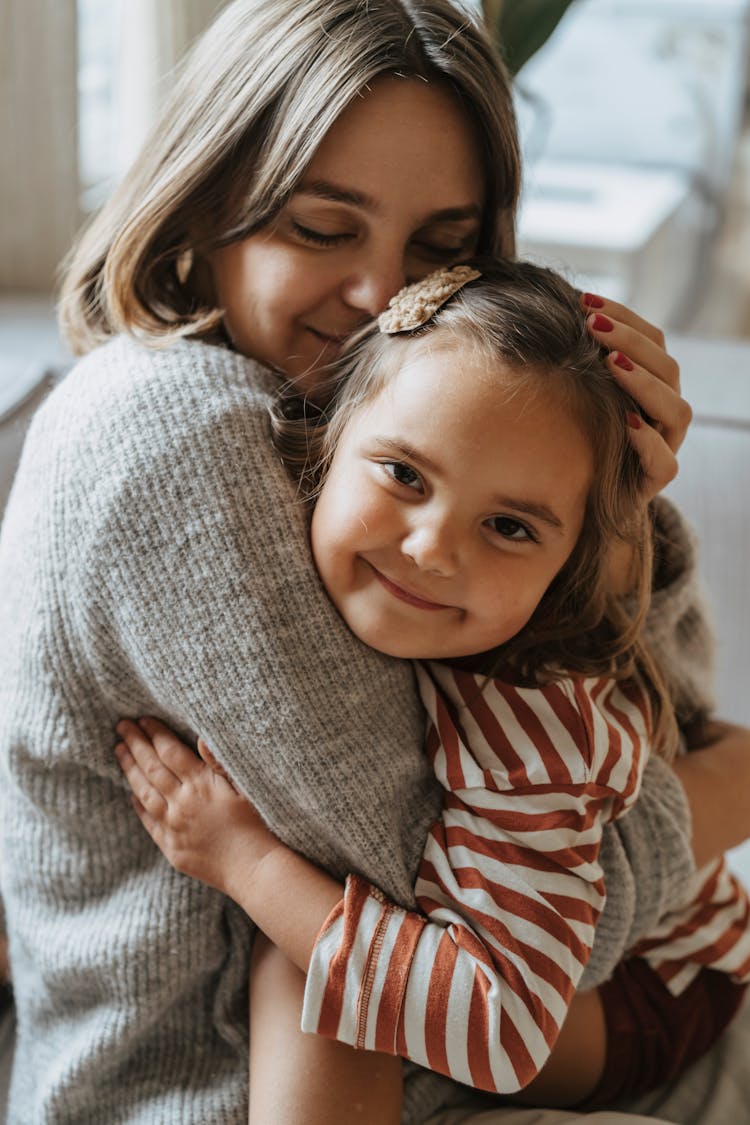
(154, 559)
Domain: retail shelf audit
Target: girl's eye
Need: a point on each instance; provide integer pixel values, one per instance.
(512, 529)
(316, 237)
(402, 474)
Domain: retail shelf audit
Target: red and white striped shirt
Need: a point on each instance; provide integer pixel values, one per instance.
(510, 886)
(712, 931)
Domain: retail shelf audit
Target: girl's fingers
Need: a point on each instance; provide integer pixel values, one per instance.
(145, 754)
(173, 752)
(210, 761)
(150, 823)
(669, 412)
(148, 796)
(162, 756)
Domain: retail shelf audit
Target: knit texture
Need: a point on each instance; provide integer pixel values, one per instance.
(154, 559)
(679, 629)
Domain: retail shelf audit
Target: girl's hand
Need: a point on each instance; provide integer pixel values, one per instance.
(189, 808)
(639, 362)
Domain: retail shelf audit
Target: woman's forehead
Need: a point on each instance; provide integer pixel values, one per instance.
(401, 140)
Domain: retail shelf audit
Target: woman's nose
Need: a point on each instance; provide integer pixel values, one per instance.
(433, 548)
(376, 279)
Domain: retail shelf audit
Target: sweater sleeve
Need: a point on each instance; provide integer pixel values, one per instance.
(647, 857)
(647, 860)
(679, 629)
(185, 561)
(510, 885)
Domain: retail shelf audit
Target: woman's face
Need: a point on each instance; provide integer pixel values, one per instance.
(393, 191)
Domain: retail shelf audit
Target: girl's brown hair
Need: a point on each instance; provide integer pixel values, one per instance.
(255, 98)
(528, 320)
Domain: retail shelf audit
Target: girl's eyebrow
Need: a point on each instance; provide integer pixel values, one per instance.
(407, 451)
(515, 503)
(530, 508)
(335, 193)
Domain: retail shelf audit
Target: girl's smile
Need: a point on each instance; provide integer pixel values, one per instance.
(453, 499)
(405, 595)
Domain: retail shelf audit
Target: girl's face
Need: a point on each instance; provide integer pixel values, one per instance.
(453, 500)
(393, 191)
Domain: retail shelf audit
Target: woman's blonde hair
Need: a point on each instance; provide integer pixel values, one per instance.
(254, 100)
(527, 320)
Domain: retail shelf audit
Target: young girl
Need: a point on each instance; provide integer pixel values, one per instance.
(314, 155)
(470, 482)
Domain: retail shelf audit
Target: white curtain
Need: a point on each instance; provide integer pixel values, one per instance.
(39, 167)
(153, 38)
(38, 140)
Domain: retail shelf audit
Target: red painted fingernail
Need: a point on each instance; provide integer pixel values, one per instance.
(633, 420)
(602, 323)
(592, 301)
(623, 361)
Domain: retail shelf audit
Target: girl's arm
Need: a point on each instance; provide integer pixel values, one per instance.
(296, 1077)
(510, 926)
(207, 830)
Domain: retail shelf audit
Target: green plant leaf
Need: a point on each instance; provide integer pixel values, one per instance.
(523, 26)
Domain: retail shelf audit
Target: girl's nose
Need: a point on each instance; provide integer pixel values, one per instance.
(433, 548)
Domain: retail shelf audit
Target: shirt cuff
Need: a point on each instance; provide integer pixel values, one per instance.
(359, 970)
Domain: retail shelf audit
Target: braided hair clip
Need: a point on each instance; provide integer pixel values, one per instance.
(415, 304)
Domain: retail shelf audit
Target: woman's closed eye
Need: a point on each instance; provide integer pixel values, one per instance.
(319, 237)
(435, 252)
(402, 474)
(512, 529)
(444, 245)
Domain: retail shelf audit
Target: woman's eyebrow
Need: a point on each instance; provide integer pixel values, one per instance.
(335, 193)
(323, 189)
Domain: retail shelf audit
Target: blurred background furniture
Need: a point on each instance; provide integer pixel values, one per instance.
(630, 119)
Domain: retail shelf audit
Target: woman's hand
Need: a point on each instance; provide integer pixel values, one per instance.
(189, 808)
(641, 365)
(716, 780)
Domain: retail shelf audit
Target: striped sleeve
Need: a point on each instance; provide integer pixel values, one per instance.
(712, 931)
(510, 885)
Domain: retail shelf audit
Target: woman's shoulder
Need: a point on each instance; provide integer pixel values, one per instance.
(124, 393)
(126, 412)
(124, 366)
